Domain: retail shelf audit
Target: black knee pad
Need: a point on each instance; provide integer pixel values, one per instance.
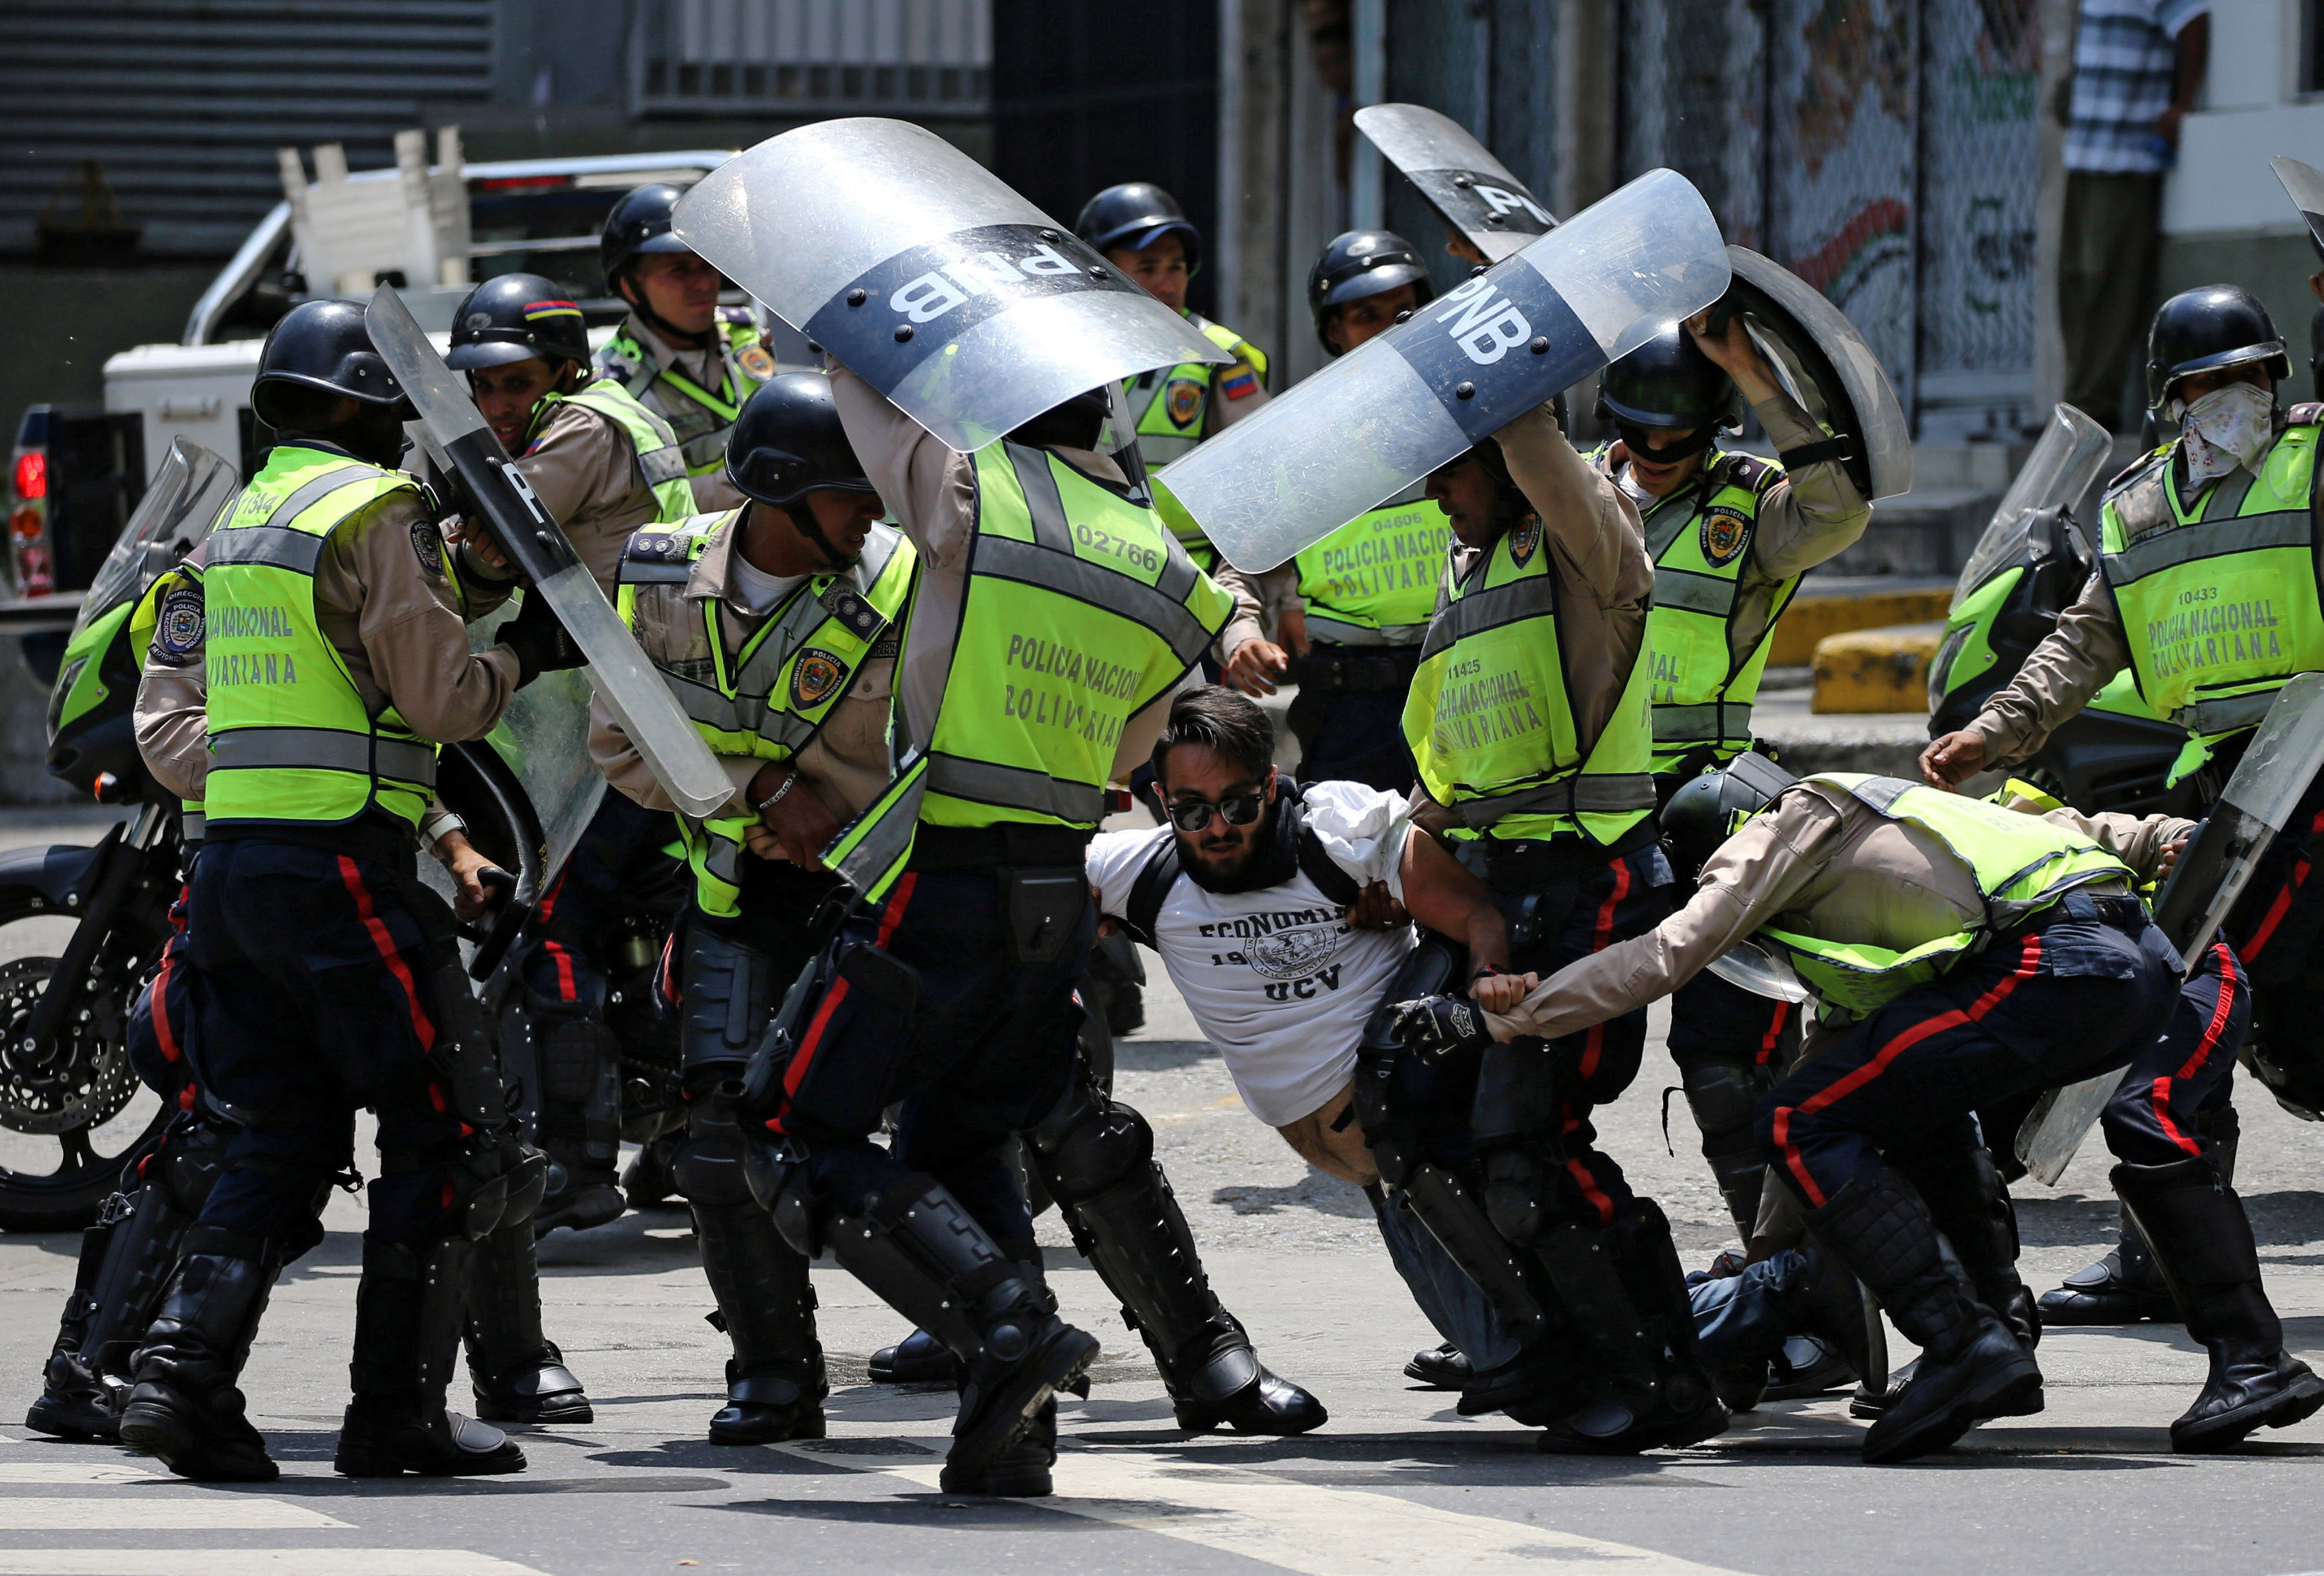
(526, 1170)
(1722, 1095)
(728, 991)
(477, 1174)
(1517, 1194)
(1088, 1144)
(188, 1161)
(711, 1164)
(573, 1048)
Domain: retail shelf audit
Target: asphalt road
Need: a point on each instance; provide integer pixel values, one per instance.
(1395, 1482)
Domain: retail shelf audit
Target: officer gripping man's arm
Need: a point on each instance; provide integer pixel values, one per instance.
(334, 656)
(1730, 537)
(1094, 1154)
(1881, 894)
(679, 352)
(602, 465)
(809, 596)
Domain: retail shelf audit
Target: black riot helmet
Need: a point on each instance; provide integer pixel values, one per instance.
(1705, 812)
(1668, 382)
(517, 317)
(316, 354)
(639, 223)
(788, 441)
(1360, 263)
(1133, 216)
(2210, 326)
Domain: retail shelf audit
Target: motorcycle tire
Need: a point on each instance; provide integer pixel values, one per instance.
(88, 1116)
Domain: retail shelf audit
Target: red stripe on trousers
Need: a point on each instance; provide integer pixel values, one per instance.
(1592, 1191)
(892, 914)
(564, 962)
(1774, 1033)
(1841, 1088)
(1594, 1042)
(421, 1029)
(548, 904)
(2221, 1012)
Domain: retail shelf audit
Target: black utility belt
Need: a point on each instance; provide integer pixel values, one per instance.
(992, 848)
(2081, 906)
(372, 838)
(1357, 670)
(1513, 866)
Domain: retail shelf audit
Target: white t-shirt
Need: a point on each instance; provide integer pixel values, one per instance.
(1277, 979)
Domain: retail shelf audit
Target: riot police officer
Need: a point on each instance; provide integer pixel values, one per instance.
(777, 625)
(321, 977)
(689, 360)
(1369, 589)
(1528, 723)
(602, 465)
(2205, 589)
(1730, 536)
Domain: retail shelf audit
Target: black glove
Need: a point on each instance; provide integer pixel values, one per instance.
(1434, 1027)
(540, 641)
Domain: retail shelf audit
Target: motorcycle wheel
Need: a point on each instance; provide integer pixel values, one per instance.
(70, 1125)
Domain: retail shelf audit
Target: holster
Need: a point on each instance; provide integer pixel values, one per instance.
(1043, 909)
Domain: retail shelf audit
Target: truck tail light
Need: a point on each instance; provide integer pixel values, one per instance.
(29, 555)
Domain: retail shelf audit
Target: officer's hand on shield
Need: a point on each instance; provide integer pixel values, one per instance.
(1255, 667)
(1732, 349)
(467, 867)
(539, 641)
(792, 814)
(476, 543)
(1953, 758)
(2169, 858)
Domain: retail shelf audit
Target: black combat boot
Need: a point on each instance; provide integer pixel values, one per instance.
(775, 1382)
(2121, 1289)
(1625, 1294)
(919, 1358)
(74, 1402)
(408, 1311)
(1972, 1208)
(1095, 1156)
(919, 1251)
(1972, 1366)
(580, 1123)
(517, 1373)
(185, 1408)
(2203, 1245)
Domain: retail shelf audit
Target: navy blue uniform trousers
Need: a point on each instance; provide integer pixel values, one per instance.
(2060, 1002)
(313, 995)
(987, 1053)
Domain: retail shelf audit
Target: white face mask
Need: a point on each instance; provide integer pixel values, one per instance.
(2224, 428)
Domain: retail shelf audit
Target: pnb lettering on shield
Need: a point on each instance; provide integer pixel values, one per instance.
(940, 289)
(1485, 324)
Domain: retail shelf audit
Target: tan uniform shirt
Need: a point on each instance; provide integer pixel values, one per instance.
(1809, 517)
(586, 473)
(931, 491)
(397, 624)
(1821, 862)
(847, 762)
(706, 364)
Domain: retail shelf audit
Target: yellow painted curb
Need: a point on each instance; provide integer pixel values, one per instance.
(1875, 671)
(1812, 619)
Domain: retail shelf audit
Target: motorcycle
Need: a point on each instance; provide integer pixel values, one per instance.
(2028, 567)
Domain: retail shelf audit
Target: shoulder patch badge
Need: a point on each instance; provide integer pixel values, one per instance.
(755, 362)
(814, 677)
(178, 633)
(428, 543)
(1525, 537)
(1724, 532)
(1182, 401)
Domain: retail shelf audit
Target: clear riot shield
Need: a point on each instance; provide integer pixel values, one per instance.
(1382, 417)
(190, 491)
(1473, 191)
(928, 276)
(1828, 368)
(2284, 756)
(544, 738)
(2304, 184)
(2059, 470)
(1762, 970)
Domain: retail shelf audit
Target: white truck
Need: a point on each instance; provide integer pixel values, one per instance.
(78, 472)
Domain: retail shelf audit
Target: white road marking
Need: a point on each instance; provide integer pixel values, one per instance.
(1296, 1526)
(128, 1513)
(256, 1562)
(96, 1469)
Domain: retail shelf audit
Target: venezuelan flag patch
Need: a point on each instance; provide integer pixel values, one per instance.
(1239, 381)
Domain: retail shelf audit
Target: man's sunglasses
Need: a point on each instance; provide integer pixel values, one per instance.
(1235, 809)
